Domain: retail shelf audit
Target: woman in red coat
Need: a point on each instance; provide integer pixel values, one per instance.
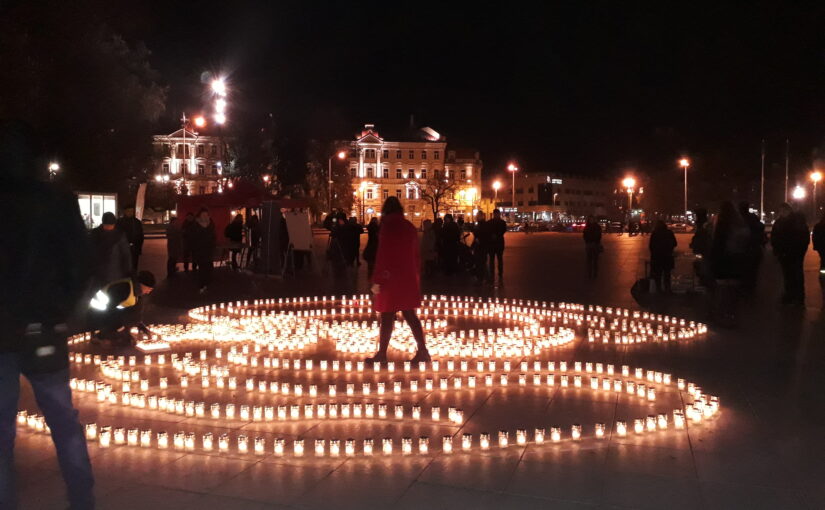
(396, 279)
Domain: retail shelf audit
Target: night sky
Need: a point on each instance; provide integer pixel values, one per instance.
(592, 88)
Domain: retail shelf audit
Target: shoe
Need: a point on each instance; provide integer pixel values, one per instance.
(377, 358)
(421, 356)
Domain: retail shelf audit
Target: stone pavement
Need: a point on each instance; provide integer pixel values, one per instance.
(763, 451)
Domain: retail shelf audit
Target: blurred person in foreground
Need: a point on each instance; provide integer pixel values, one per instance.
(43, 274)
(818, 237)
(396, 284)
(133, 228)
(789, 239)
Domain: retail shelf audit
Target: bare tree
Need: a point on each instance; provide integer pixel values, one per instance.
(439, 192)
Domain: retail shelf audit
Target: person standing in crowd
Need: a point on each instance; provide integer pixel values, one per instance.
(234, 233)
(450, 237)
(203, 247)
(819, 242)
(353, 242)
(111, 256)
(396, 280)
(174, 246)
(498, 227)
(481, 246)
(789, 239)
(428, 251)
(727, 259)
(336, 249)
(253, 232)
(592, 235)
(187, 228)
(371, 249)
(661, 245)
(133, 229)
(755, 242)
(43, 274)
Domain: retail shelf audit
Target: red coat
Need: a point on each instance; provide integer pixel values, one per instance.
(397, 266)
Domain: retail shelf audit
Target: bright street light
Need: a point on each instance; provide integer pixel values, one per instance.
(54, 167)
(220, 118)
(629, 183)
(512, 168)
(342, 154)
(219, 87)
(685, 163)
(200, 121)
(815, 176)
(798, 193)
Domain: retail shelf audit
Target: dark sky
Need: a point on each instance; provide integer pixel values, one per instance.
(578, 87)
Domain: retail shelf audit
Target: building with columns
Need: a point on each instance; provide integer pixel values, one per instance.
(192, 161)
(412, 167)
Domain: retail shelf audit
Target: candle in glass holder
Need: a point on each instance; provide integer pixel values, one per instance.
(320, 446)
(207, 442)
(600, 430)
(621, 428)
(502, 438)
(145, 438)
(349, 447)
(368, 445)
(298, 447)
(163, 440)
(334, 447)
(278, 447)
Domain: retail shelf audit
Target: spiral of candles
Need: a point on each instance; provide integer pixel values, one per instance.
(298, 359)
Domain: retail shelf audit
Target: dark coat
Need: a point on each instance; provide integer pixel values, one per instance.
(111, 256)
(371, 249)
(819, 236)
(498, 228)
(134, 232)
(174, 240)
(203, 241)
(790, 236)
(592, 234)
(661, 245)
(397, 266)
(234, 232)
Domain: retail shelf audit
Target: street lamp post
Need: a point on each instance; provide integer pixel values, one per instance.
(512, 168)
(341, 155)
(54, 167)
(798, 193)
(685, 163)
(816, 176)
(496, 187)
(629, 183)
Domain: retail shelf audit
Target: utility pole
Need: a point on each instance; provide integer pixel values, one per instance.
(787, 156)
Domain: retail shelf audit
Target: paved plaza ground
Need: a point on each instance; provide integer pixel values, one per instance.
(764, 450)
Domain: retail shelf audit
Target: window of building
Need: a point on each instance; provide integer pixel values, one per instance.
(369, 193)
(369, 154)
(398, 173)
(398, 154)
(423, 173)
(469, 172)
(386, 173)
(180, 150)
(520, 202)
(214, 169)
(448, 173)
(410, 193)
(370, 172)
(186, 150)
(201, 150)
(398, 193)
(411, 173)
(386, 154)
(530, 189)
(201, 169)
(353, 172)
(519, 190)
(167, 150)
(166, 168)
(412, 154)
(463, 173)
(385, 193)
(201, 190)
(353, 153)
(423, 154)
(436, 154)
(436, 173)
(213, 149)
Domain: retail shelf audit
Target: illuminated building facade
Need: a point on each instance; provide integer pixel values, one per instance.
(556, 197)
(193, 162)
(409, 168)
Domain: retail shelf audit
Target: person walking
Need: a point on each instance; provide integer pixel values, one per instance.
(428, 248)
(819, 243)
(498, 227)
(111, 255)
(481, 246)
(234, 233)
(133, 229)
(661, 245)
(174, 246)
(371, 249)
(396, 280)
(789, 239)
(592, 235)
(203, 247)
(450, 237)
(187, 227)
(44, 269)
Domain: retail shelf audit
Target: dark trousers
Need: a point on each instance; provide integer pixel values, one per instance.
(592, 251)
(496, 254)
(660, 272)
(54, 398)
(171, 266)
(135, 256)
(387, 325)
(188, 257)
(794, 278)
(204, 264)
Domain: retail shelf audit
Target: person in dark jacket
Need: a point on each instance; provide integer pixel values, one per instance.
(498, 227)
(234, 233)
(253, 229)
(481, 246)
(819, 243)
(789, 239)
(371, 249)
(174, 246)
(352, 245)
(336, 249)
(44, 269)
(187, 227)
(592, 235)
(203, 247)
(755, 242)
(133, 229)
(111, 256)
(450, 237)
(661, 245)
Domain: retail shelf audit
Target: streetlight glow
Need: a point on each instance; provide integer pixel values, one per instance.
(200, 121)
(512, 168)
(816, 176)
(54, 167)
(220, 118)
(342, 154)
(684, 162)
(496, 185)
(629, 182)
(219, 86)
(798, 193)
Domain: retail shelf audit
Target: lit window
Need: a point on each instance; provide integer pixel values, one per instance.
(166, 168)
(423, 154)
(386, 173)
(411, 173)
(398, 173)
(201, 170)
(423, 173)
(436, 154)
